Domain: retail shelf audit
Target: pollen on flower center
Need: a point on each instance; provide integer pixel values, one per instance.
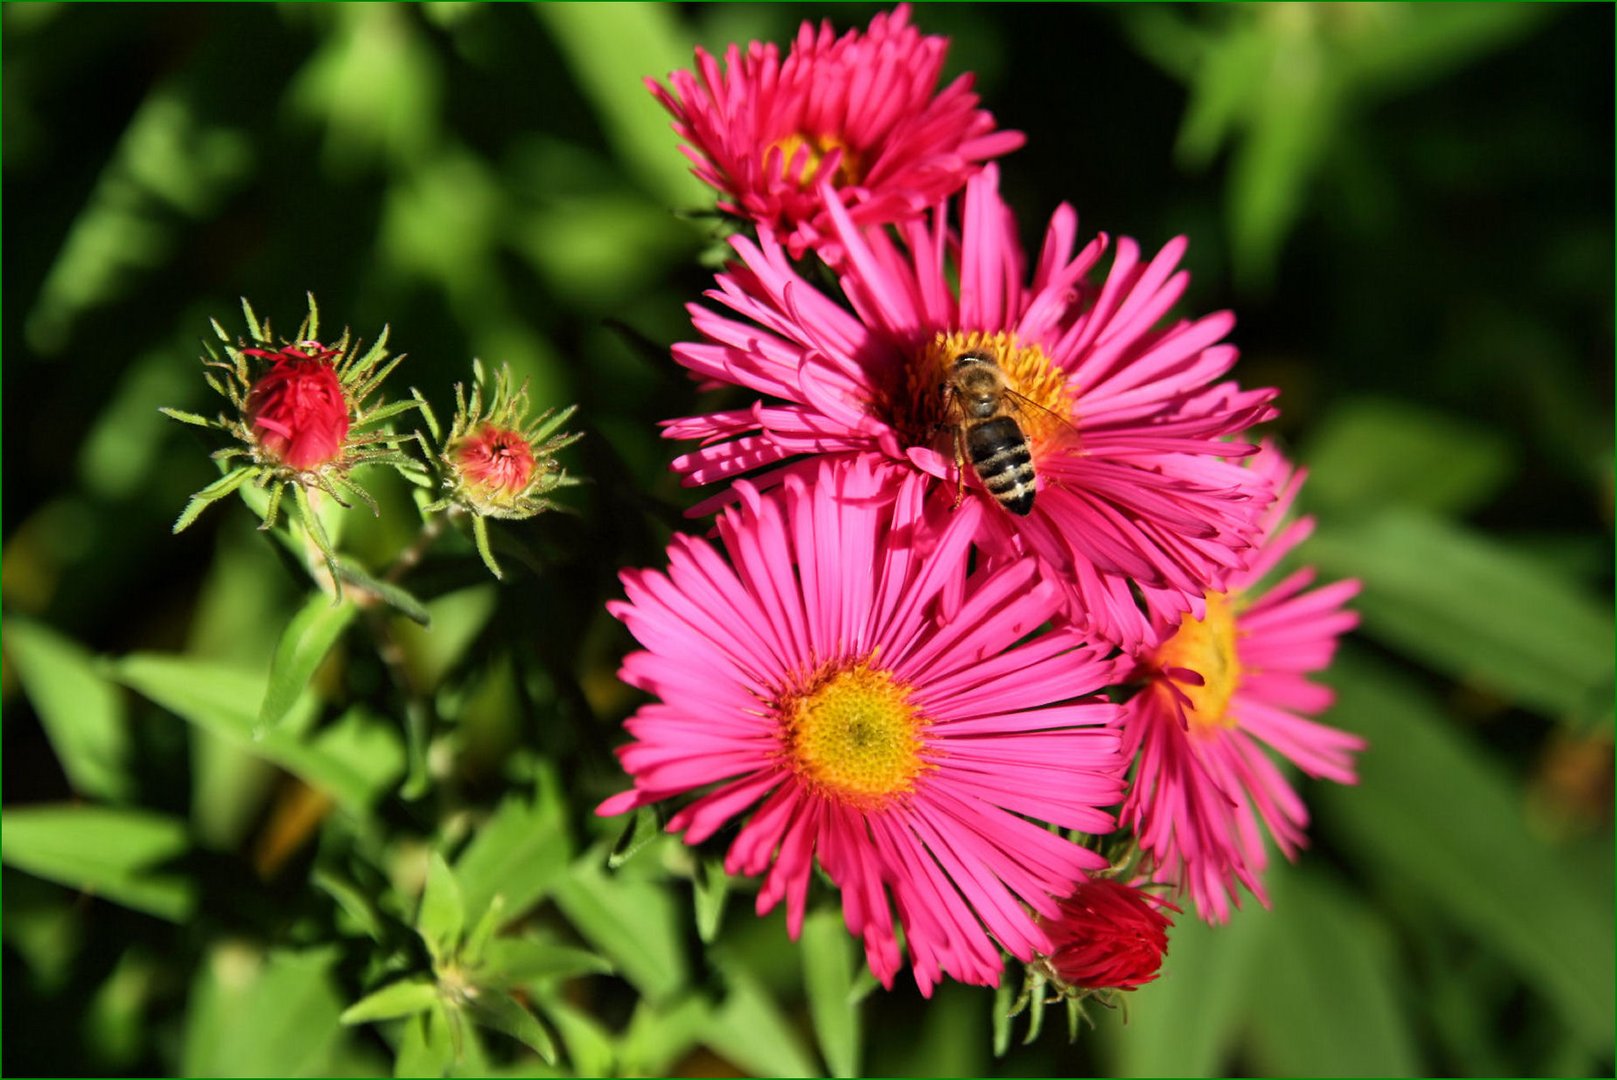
(854, 734)
(818, 146)
(1041, 398)
(1207, 647)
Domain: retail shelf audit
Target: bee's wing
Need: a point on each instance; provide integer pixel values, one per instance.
(1039, 421)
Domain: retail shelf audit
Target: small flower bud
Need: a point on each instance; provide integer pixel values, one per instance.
(296, 410)
(1109, 935)
(495, 464)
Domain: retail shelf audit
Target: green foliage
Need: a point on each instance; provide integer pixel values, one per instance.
(321, 802)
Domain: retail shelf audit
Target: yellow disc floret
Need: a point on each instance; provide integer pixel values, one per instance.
(848, 168)
(853, 734)
(1206, 646)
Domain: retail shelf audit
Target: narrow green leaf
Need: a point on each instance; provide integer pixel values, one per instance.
(711, 886)
(395, 597)
(640, 830)
(480, 537)
(425, 1048)
(353, 764)
(102, 850)
(442, 916)
(635, 923)
(519, 854)
(1486, 867)
(503, 1013)
(185, 417)
(252, 1014)
(599, 44)
(211, 494)
(305, 643)
(403, 998)
(1477, 610)
(659, 1036)
(1353, 1023)
(1369, 453)
(590, 1047)
(316, 530)
(514, 960)
(354, 903)
(1003, 1004)
(83, 714)
(829, 965)
(750, 1030)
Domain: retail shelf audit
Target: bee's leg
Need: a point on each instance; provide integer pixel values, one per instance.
(959, 467)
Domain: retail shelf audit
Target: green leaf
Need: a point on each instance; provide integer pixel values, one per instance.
(635, 923)
(640, 830)
(711, 887)
(212, 494)
(590, 1047)
(252, 1014)
(83, 714)
(308, 638)
(1187, 1021)
(518, 854)
(441, 918)
(502, 1012)
(599, 44)
(403, 998)
(480, 538)
(395, 597)
(186, 417)
(750, 1030)
(354, 762)
(514, 960)
(102, 850)
(1369, 453)
(1432, 813)
(425, 1048)
(659, 1036)
(1351, 1023)
(1477, 610)
(829, 964)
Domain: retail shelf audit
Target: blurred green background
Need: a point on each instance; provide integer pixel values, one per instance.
(1408, 206)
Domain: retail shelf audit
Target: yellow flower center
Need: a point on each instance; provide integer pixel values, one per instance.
(848, 168)
(854, 735)
(1040, 399)
(1207, 647)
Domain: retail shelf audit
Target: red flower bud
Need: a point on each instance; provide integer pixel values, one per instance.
(1109, 935)
(495, 463)
(297, 409)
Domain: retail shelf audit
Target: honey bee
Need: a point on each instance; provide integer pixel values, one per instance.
(980, 403)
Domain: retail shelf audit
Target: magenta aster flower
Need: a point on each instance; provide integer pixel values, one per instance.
(1123, 416)
(879, 712)
(860, 112)
(1222, 688)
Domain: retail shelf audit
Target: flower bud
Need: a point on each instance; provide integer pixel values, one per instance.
(494, 464)
(1109, 935)
(296, 410)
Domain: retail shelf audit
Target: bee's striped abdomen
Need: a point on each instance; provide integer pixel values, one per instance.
(1003, 460)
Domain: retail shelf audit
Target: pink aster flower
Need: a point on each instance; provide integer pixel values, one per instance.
(861, 112)
(879, 712)
(1223, 690)
(1122, 411)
